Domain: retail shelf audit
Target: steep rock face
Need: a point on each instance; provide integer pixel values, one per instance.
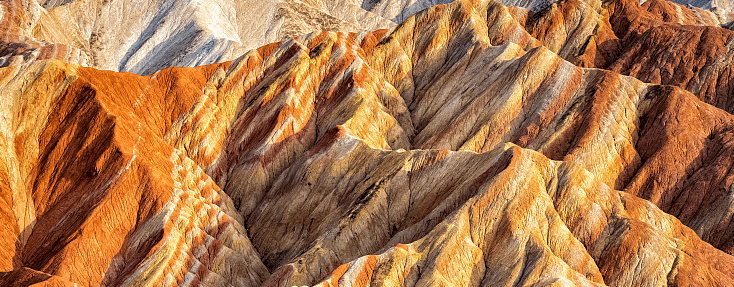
(483, 224)
(657, 42)
(455, 149)
(160, 34)
(710, 12)
(547, 105)
(99, 198)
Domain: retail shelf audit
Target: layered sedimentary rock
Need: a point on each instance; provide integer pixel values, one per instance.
(17, 44)
(146, 36)
(648, 43)
(716, 12)
(463, 147)
(657, 42)
(90, 206)
(724, 9)
(162, 34)
(438, 83)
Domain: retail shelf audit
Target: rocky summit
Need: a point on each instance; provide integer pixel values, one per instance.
(374, 143)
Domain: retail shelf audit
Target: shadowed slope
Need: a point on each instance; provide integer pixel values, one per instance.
(429, 155)
(101, 198)
(160, 34)
(483, 97)
(657, 42)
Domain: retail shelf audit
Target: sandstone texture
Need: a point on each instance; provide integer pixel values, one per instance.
(657, 42)
(17, 42)
(720, 12)
(145, 36)
(473, 144)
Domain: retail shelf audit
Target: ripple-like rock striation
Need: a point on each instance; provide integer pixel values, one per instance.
(464, 147)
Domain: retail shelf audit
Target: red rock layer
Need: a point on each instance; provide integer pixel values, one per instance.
(546, 126)
(108, 198)
(658, 42)
(429, 155)
(661, 43)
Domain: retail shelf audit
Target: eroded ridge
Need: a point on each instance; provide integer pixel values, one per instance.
(456, 149)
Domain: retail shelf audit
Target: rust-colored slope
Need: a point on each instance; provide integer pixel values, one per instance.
(9, 228)
(538, 101)
(658, 42)
(110, 202)
(685, 151)
(430, 155)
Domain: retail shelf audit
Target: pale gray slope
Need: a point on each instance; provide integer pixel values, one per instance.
(724, 9)
(143, 36)
(399, 10)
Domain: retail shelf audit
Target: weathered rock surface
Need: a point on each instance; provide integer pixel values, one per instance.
(712, 12)
(656, 42)
(724, 9)
(441, 87)
(145, 36)
(97, 197)
(160, 34)
(17, 44)
(464, 147)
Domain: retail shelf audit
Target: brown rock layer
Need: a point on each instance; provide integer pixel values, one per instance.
(457, 149)
(658, 42)
(648, 42)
